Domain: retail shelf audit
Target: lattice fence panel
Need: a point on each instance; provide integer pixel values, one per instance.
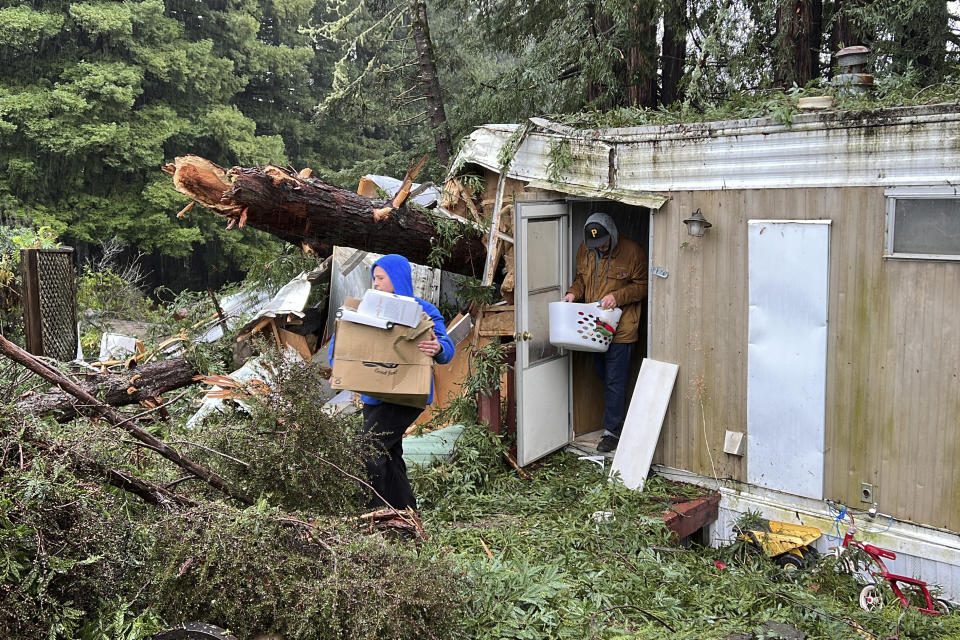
(51, 302)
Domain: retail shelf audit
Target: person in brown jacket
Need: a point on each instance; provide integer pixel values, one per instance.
(612, 271)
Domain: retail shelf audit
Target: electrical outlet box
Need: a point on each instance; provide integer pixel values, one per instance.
(866, 492)
(734, 443)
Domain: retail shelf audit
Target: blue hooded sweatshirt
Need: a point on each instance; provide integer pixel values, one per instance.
(398, 269)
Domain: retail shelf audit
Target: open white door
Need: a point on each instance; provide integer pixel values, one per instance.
(543, 371)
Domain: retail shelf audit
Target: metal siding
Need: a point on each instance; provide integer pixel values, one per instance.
(705, 291)
(893, 352)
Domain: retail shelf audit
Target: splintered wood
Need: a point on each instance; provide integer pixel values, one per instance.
(315, 215)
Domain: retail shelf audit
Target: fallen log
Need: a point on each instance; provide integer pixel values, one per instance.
(141, 384)
(316, 216)
(91, 405)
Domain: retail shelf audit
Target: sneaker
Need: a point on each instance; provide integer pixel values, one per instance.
(608, 444)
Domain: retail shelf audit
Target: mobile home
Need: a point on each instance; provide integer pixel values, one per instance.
(817, 319)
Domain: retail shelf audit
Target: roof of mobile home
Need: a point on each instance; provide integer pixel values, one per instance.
(636, 165)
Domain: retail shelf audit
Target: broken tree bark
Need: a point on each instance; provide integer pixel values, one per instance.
(316, 216)
(146, 382)
(94, 406)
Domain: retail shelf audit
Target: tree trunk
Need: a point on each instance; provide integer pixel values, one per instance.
(316, 216)
(641, 62)
(674, 50)
(430, 80)
(797, 43)
(149, 381)
(636, 66)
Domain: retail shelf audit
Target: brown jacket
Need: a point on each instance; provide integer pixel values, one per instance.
(623, 272)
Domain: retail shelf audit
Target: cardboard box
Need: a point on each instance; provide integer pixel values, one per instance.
(383, 363)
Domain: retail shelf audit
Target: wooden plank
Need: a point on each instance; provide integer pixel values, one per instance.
(686, 518)
(448, 380)
(641, 429)
(587, 393)
(257, 327)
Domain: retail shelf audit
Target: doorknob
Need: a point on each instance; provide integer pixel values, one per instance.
(526, 335)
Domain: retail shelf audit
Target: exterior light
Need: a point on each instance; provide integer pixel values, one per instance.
(696, 224)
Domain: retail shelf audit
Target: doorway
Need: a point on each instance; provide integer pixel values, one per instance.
(587, 390)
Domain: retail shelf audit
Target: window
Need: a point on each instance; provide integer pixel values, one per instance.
(923, 223)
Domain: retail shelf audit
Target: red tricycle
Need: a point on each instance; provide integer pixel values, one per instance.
(871, 597)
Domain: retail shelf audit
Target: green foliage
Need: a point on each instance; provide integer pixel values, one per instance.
(51, 574)
(275, 266)
(509, 149)
(262, 571)
(446, 233)
(559, 159)
(489, 363)
(96, 96)
(473, 291)
(301, 455)
(472, 182)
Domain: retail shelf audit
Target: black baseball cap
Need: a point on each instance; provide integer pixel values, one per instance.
(595, 234)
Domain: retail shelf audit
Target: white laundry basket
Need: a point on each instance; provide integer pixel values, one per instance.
(583, 327)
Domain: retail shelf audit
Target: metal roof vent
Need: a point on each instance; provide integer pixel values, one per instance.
(852, 62)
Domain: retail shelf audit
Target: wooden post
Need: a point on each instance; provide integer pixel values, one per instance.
(488, 410)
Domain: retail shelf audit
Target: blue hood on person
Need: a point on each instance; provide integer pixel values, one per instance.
(398, 268)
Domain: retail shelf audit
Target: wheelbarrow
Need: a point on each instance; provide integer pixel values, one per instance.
(788, 545)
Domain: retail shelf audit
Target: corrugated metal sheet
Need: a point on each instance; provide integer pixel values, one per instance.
(866, 148)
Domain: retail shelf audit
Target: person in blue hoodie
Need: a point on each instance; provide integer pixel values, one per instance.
(386, 422)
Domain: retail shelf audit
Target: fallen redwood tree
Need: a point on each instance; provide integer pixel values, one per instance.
(316, 216)
(142, 384)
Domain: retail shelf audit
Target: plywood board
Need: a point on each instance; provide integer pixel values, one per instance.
(298, 342)
(641, 429)
(448, 381)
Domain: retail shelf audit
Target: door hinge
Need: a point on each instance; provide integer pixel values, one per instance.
(660, 271)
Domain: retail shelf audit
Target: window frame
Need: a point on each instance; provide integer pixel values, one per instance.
(939, 192)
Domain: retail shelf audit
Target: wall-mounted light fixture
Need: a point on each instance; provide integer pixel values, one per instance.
(696, 224)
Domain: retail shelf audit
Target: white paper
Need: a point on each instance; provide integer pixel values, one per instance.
(391, 307)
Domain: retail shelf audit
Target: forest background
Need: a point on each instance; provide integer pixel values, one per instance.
(96, 96)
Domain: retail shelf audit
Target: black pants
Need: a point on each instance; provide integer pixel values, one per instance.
(386, 423)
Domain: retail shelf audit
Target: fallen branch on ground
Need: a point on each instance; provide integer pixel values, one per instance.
(93, 406)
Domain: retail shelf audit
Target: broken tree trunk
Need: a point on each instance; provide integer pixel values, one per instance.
(144, 383)
(93, 406)
(316, 216)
